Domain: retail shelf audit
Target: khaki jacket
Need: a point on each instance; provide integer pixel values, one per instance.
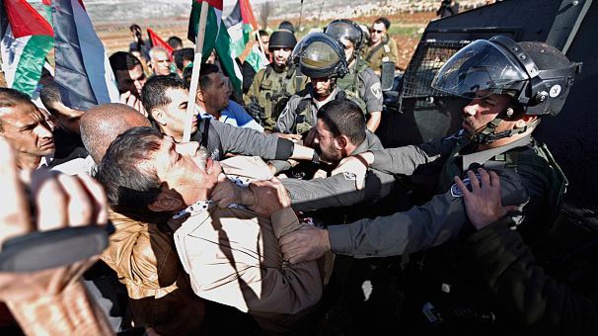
(374, 56)
(233, 258)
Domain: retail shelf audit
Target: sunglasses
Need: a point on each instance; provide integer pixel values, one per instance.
(376, 31)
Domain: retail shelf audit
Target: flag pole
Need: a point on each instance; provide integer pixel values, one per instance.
(300, 16)
(201, 30)
(259, 41)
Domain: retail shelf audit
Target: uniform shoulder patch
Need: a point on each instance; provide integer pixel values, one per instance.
(350, 176)
(456, 191)
(386, 48)
(376, 90)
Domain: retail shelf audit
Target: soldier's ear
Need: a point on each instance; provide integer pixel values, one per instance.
(341, 142)
(525, 120)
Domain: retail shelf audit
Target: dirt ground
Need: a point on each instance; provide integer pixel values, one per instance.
(116, 37)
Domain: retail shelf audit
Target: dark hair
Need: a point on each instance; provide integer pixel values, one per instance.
(181, 55)
(175, 42)
(261, 33)
(287, 25)
(204, 80)
(130, 186)
(344, 117)
(122, 60)
(49, 95)
(11, 98)
(154, 92)
(384, 21)
(134, 27)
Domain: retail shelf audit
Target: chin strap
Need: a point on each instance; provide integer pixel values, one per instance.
(487, 135)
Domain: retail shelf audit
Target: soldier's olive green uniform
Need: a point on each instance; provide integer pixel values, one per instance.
(385, 51)
(271, 90)
(362, 82)
(299, 115)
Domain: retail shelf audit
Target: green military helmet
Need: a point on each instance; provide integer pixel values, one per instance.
(319, 56)
(346, 29)
(282, 39)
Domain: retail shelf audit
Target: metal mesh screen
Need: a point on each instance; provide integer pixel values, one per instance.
(428, 59)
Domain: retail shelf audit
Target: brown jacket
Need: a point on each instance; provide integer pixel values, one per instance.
(145, 260)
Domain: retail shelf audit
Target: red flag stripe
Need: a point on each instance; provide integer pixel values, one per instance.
(82, 5)
(247, 14)
(158, 42)
(214, 3)
(25, 20)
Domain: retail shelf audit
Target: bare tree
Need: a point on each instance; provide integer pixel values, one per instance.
(265, 11)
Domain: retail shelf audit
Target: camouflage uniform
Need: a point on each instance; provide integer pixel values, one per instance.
(365, 86)
(299, 115)
(271, 90)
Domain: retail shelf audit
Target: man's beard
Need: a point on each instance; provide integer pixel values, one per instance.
(330, 156)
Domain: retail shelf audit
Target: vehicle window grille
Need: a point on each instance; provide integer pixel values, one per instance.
(427, 60)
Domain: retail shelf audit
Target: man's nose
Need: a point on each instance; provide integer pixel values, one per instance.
(471, 108)
(43, 131)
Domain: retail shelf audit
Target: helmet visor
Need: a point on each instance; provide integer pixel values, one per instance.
(339, 30)
(479, 70)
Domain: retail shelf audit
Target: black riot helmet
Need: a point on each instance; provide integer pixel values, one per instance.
(345, 29)
(537, 76)
(282, 39)
(319, 55)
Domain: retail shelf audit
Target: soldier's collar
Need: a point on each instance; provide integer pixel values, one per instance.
(482, 156)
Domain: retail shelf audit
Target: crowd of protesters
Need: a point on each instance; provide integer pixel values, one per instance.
(284, 204)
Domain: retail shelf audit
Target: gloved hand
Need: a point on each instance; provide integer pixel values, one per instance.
(255, 111)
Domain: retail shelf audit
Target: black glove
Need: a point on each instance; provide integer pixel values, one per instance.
(255, 111)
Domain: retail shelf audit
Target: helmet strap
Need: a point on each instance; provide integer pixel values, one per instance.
(488, 136)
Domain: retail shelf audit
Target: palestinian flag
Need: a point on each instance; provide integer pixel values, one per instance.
(83, 73)
(156, 41)
(27, 37)
(216, 37)
(240, 24)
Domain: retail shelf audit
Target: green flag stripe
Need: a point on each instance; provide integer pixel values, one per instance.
(31, 63)
(223, 46)
(214, 38)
